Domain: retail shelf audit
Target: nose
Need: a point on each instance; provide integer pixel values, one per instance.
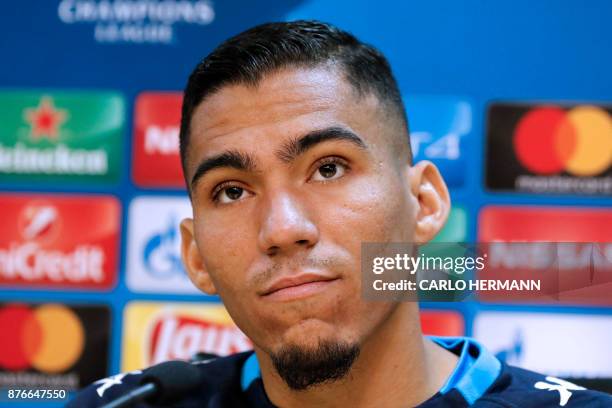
(286, 226)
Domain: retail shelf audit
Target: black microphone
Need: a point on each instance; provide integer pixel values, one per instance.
(163, 383)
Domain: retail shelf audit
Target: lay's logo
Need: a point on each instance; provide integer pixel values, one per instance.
(181, 337)
(157, 332)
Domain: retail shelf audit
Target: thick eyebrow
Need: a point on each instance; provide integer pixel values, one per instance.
(233, 159)
(298, 146)
(290, 151)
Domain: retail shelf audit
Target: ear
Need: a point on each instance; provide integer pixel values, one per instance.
(432, 198)
(192, 259)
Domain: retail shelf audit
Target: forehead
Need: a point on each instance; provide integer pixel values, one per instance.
(283, 104)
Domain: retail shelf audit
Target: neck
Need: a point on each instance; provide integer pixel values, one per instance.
(397, 366)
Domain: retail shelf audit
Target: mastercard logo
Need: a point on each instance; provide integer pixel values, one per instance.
(49, 338)
(549, 140)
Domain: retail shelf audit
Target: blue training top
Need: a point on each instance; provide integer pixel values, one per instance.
(479, 380)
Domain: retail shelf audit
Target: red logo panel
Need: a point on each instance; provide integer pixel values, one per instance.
(59, 241)
(566, 249)
(442, 323)
(552, 224)
(156, 158)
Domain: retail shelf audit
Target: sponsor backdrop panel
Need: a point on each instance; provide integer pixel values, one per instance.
(550, 148)
(61, 137)
(155, 160)
(59, 241)
(153, 251)
(156, 332)
(552, 343)
(581, 272)
(53, 345)
(92, 189)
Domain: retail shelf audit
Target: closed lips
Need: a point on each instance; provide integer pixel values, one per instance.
(293, 281)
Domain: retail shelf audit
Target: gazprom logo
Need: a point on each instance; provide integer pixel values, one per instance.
(160, 256)
(154, 245)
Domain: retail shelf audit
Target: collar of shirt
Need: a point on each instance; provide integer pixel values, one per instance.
(474, 373)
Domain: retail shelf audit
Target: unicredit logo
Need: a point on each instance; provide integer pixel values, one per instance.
(39, 222)
(58, 240)
(30, 260)
(48, 338)
(550, 140)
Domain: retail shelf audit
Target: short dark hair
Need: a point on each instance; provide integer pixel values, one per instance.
(248, 56)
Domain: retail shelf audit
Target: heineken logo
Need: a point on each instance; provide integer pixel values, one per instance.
(58, 160)
(45, 119)
(61, 136)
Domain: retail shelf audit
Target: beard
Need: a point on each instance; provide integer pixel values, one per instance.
(302, 368)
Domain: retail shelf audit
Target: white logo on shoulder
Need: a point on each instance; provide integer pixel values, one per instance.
(106, 383)
(565, 388)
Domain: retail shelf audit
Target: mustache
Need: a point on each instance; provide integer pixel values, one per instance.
(269, 272)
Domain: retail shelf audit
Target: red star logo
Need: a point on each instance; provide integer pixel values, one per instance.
(45, 119)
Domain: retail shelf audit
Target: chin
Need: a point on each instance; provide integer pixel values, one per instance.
(310, 333)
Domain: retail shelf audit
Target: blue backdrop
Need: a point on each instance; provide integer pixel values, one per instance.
(479, 52)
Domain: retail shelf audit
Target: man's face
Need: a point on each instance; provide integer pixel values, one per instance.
(293, 175)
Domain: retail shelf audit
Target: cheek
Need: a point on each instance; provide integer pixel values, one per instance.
(228, 253)
(373, 209)
(225, 252)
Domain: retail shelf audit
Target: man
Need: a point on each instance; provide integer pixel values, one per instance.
(295, 149)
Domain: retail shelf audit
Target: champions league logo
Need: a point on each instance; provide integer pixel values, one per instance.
(137, 22)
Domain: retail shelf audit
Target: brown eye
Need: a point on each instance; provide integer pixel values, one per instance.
(233, 193)
(230, 194)
(329, 171)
